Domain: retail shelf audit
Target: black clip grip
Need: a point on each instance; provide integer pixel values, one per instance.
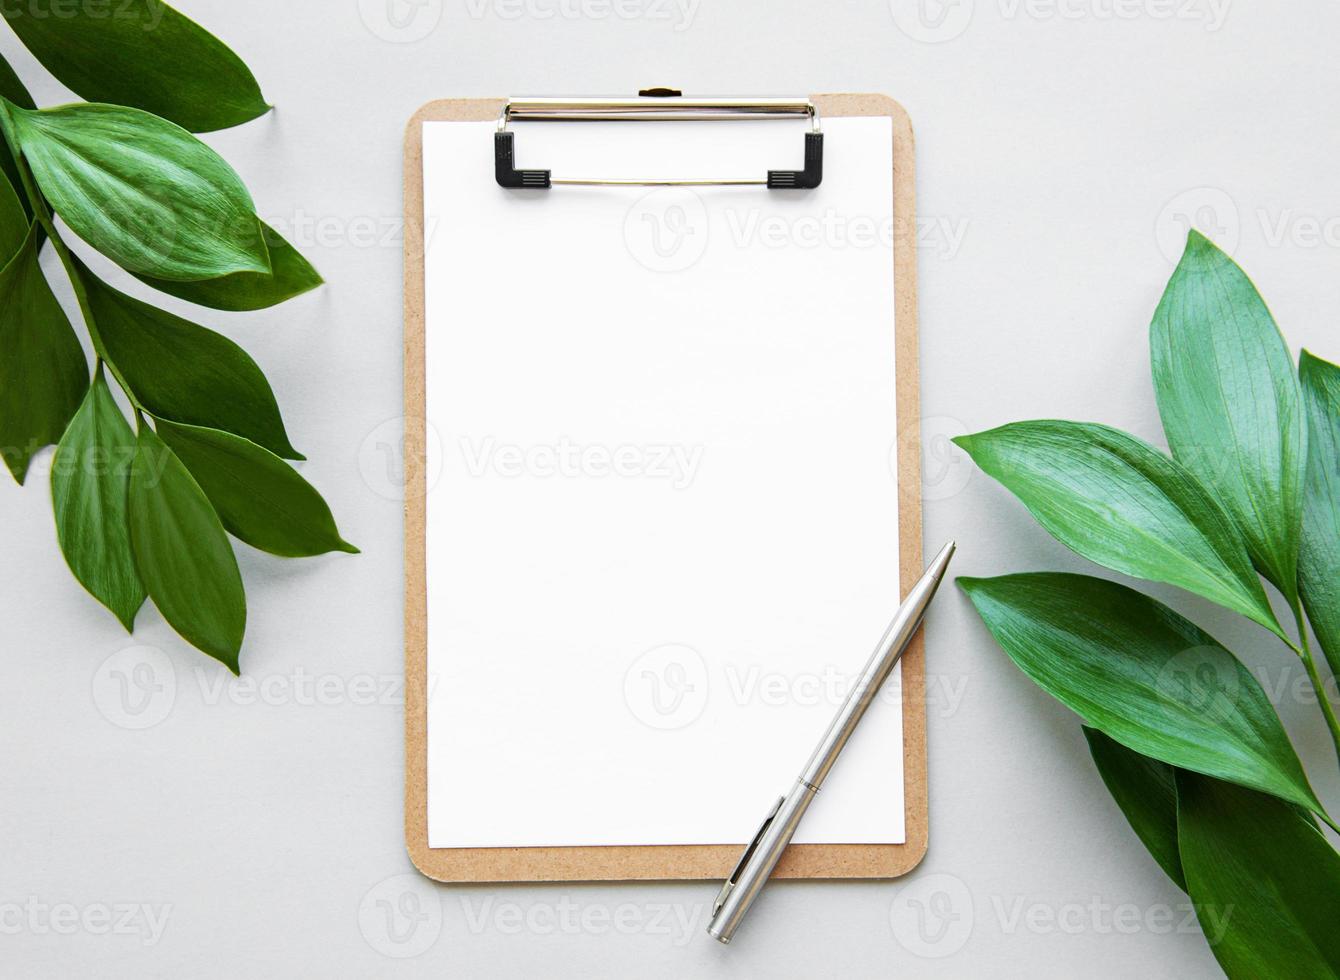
(504, 165)
(809, 178)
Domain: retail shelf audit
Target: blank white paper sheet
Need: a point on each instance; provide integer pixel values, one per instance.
(662, 519)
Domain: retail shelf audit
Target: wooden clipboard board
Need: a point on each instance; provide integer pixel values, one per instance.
(677, 861)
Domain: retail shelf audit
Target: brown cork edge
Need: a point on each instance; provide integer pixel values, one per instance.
(661, 862)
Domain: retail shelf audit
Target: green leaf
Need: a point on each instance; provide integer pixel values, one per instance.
(183, 372)
(1229, 400)
(1121, 503)
(90, 494)
(1319, 557)
(43, 372)
(14, 222)
(13, 89)
(259, 497)
(1265, 883)
(140, 53)
(143, 191)
(293, 275)
(1146, 791)
(182, 553)
(1142, 675)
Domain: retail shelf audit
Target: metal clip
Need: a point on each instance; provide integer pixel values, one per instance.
(744, 858)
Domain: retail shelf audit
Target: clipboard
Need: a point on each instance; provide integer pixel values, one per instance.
(677, 861)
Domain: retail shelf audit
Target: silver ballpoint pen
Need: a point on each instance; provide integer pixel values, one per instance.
(779, 826)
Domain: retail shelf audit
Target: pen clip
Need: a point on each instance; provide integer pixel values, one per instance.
(744, 858)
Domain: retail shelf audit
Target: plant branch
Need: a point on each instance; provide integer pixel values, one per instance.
(44, 217)
(1305, 654)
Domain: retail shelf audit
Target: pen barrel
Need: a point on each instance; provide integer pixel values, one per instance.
(756, 871)
(877, 670)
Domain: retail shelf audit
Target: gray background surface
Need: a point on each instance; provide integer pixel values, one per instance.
(255, 829)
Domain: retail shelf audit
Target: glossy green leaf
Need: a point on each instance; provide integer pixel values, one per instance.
(1121, 503)
(260, 498)
(14, 222)
(183, 372)
(1142, 675)
(1229, 400)
(1146, 791)
(143, 191)
(140, 53)
(1319, 557)
(90, 495)
(1265, 883)
(182, 553)
(293, 275)
(13, 89)
(43, 371)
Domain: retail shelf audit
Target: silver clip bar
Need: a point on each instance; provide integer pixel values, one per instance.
(657, 108)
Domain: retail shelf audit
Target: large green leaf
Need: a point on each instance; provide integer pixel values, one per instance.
(1229, 400)
(143, 191)
(183, 372)
(140, 53)
(1119, 502)
(1319, 558)
(14, 221)
(43, 372)
(13, 89)
(1142, 675)
(1146, 791)
(1265, 883)
(90, 494)
(293, 275)
(182, 553)
(260, 498)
